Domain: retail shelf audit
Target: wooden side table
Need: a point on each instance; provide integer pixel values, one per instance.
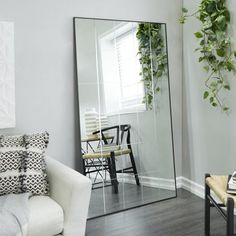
(218, 184)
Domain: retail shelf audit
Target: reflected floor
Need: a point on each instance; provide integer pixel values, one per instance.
(130, 195)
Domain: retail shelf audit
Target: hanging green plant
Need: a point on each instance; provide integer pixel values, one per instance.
(215, 48)
(153, 59)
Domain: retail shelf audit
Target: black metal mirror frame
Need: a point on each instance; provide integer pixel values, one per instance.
(170, 106)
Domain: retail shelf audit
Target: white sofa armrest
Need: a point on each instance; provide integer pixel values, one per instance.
(72, 191)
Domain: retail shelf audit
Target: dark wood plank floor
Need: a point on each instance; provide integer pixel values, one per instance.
(176, 217)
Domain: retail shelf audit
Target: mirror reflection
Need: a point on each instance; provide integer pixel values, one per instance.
(125, 119)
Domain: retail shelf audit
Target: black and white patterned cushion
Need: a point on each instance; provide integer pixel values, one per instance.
(11, 160)
(34, 174)
(12, 142)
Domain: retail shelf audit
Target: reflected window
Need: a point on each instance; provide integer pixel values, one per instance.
(120, 70)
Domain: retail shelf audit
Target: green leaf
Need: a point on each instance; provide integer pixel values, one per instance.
(227, 15)
(230, 66)
(198, 35)
(226, 109)
(206, 68)
(213, 84)
(184, 10)
(214, 104)
(201, 59)
(205, 95)
(202, 42)
(207, 25)
(182, 19)
(227, 87)
(220, 52)
(211, 99)
(211, 7)
(221, 19)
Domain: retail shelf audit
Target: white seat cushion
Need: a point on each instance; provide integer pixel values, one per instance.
(46, 217)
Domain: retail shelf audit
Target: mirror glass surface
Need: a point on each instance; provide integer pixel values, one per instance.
(125, 114)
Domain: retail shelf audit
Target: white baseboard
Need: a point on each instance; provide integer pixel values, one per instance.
(169, 184)
(153, 182)
(149, 181)
(194, 188)
(190, 186)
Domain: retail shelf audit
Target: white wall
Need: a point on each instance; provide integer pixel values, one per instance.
(209, 135)
(45, 72)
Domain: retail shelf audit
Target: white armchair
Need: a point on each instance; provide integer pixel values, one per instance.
(65, 211)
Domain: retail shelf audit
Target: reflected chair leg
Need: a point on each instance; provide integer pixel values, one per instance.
(110, 169)
(84, 169)
(207, 208)
(113, 165)
(230, 217)
(112, 176)
(134, 168)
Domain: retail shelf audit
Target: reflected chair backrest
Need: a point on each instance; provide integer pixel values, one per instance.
(120, 132)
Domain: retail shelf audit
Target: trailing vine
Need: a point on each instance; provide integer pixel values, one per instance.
(153, 59)
(215, 48)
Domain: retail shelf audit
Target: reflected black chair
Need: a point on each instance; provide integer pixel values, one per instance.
(108, 151)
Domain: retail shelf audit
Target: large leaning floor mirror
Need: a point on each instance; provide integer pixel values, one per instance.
(125, 113)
